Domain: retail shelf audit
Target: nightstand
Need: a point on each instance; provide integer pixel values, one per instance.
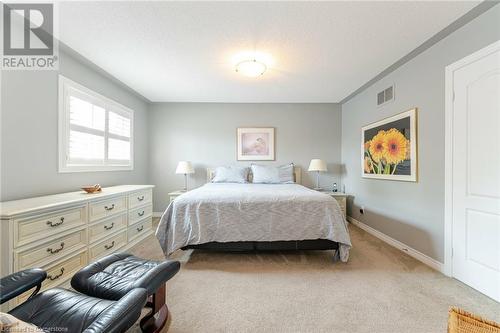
(341, 199)
(175, 194)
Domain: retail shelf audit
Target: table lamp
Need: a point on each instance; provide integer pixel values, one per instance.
(318, 166)
(185, 168)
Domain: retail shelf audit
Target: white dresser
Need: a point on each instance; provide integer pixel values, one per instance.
(62, 233)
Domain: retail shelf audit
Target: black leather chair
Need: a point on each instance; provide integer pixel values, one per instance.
(115, 275)
(60, 310)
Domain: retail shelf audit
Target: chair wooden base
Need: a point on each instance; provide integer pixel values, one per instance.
(155, 320)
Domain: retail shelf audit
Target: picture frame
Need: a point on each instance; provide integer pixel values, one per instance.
(255, 144)
(389, 148)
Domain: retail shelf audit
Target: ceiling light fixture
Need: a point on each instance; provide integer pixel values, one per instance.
(251, 68)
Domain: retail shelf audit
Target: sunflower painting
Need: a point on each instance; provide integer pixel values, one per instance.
(389, 148)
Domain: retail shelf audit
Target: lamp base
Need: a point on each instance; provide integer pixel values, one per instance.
(185, 183)
(318, 189)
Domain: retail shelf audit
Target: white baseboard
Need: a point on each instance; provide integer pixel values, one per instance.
(401, 246)
(157, 214)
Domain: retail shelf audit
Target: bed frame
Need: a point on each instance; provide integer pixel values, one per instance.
(245, 246)
(313, 244)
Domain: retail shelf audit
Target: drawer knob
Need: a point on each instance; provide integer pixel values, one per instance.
(55, 277)
(110, 207)
(109, 227)
(107, 247)
(141, 213)
(52, 251)
(140, 228)
(52, 224)
(140, 198)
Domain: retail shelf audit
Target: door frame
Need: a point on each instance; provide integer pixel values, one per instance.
(448, 156)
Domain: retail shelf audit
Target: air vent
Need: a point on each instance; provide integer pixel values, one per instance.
(385, 96)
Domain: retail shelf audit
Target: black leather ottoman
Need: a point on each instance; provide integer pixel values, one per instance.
(113, 276)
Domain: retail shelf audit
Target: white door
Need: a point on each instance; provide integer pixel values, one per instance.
(476, 171)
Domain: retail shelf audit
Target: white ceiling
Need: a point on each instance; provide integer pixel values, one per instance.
(182, 51)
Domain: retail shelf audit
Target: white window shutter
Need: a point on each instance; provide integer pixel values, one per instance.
(95, 132)
(119, 124)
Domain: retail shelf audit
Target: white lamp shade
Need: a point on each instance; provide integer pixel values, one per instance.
(184, 167)
(317, 165)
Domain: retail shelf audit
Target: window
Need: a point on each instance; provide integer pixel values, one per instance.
(95, 133)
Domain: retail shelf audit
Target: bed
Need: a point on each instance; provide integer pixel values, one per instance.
(244, 217)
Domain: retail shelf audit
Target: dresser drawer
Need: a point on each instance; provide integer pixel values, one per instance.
(101, 209)
(108, 246)
(108, 226)
(140, 228)
(139, 214)
(137, 199)
(51, 251)
(27, 230)
(59, 273)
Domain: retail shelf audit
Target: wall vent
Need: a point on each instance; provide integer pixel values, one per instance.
(385, 96)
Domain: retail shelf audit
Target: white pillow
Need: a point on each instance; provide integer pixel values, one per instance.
(272, 175)
(230, 175)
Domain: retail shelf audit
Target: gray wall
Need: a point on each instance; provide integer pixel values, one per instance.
(205, 133)
(29, 160)
(412, 213)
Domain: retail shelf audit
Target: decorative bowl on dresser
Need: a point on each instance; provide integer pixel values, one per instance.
(61, 233)
(91, 189)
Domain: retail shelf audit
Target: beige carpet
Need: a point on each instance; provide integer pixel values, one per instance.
(380, 289)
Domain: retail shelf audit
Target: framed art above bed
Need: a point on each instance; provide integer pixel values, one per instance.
(255, 143)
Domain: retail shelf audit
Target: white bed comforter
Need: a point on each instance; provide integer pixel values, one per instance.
(252, 212)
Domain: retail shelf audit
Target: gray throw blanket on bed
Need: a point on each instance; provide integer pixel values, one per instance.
(252, 212)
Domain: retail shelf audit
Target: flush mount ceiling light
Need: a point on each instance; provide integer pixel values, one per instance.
(252, 63)
(251, 68)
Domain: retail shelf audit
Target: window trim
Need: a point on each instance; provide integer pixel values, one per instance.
(65, 85)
